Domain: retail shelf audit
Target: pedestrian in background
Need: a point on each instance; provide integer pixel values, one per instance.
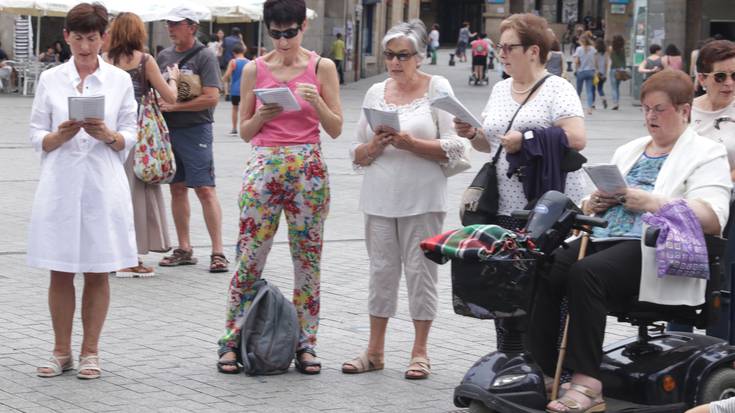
(286, 173)
(617, 63)
(652, 64)
(127, 37)
(82, 216)
(233, 75)
(463, 41)
(672, 58)
(338, 56)
(228, 43)
(215, 43)
(601, 65)
(190, 126)
(555, 61)
(434, 42)
(403, 194)
(584, 63)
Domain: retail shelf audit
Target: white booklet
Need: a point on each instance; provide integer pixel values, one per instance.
(449, 103)
(86, 107)
(377, 118)
(607, 178)
(279, 95)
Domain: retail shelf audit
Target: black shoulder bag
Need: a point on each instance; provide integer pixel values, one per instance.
(480, 199)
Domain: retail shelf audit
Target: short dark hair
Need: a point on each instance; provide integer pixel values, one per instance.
(284, 12)
(654, 48)
(87, 18)
(238, 48)
(235, 31)
(600, 45)
(713, 52)
(339, 35)
(672, 50)
(675, 83)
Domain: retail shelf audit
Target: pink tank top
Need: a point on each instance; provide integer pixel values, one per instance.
(288, 128)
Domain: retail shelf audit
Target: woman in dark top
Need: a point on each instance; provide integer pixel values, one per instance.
(653, 63)
(126, 39)
(617, 62)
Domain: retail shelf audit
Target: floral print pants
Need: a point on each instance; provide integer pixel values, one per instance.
(292, 179)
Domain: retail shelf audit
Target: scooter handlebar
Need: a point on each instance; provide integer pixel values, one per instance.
(521, 214)
(582, 219)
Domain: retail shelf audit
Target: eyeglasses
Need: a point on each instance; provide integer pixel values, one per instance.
(170, 23)
(658, 109)
(288, 33)
(720, 77)
(506, 48)
(402, 57)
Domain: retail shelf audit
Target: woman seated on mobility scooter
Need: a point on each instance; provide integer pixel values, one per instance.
(673, 163)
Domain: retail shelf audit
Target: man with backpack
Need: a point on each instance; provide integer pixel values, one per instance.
(190, 125)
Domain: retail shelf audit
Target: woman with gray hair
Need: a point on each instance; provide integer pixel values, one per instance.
(403, 193)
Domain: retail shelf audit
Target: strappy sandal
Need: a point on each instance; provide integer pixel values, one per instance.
(303, 365)
(218, 263)
(419, 365)
(361, 364)
(57, 368)
(227, 363)
(178, 257)
(573, 406)
(89, 363)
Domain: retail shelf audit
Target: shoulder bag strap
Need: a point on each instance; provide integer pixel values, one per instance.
(143, 75)
(191, 54)
(510, 124)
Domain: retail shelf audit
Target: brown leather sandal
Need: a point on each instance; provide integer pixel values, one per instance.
(597, 403)
(218, 263)
(178, 257)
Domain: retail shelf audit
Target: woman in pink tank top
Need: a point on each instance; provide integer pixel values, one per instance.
(285, 172)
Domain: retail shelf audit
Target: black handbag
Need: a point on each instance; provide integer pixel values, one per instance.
(485, 209)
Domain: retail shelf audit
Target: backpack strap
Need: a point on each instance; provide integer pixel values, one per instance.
(191, 54)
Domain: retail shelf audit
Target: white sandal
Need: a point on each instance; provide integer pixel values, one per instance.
(91, 362)
(57, 368)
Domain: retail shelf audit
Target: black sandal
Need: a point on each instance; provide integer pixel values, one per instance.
(303, 365)
(235, 362)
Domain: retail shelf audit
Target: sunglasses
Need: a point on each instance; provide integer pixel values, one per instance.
(720, 77)
(506, 48)
(288, 33)
(402, 57)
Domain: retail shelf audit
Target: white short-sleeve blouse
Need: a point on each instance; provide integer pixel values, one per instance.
(555, 100)
(82, 215)
(399, 183)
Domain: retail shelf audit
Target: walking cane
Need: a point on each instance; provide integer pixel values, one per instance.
(563, 347)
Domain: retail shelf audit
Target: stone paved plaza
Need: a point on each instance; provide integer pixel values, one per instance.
(159, 347)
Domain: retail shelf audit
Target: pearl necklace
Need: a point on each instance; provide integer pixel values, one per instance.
(524, 91)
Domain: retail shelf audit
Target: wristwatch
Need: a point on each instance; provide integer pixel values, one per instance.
(113, 141)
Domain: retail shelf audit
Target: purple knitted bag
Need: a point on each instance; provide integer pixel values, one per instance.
(680, 247)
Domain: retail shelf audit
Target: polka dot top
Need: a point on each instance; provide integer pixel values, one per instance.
(555, 100)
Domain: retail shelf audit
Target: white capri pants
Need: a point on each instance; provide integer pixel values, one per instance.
(393, 243)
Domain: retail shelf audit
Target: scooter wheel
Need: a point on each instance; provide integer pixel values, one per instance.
(479, 407)
(719, 385)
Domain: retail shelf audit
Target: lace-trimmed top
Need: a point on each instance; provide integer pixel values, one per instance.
(399, 183)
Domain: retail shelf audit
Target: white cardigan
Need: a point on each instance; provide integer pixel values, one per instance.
(696, 168)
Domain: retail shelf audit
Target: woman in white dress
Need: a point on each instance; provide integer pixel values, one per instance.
(82, 218)
(403, 194)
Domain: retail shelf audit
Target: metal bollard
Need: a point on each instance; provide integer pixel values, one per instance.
(451, 59)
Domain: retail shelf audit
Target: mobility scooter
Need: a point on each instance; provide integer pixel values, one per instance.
(657, 371)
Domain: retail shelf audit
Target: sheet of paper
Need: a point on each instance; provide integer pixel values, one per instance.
(450, 104)
(86, 107)
(278, 95)
(606, 177)
(377, 118)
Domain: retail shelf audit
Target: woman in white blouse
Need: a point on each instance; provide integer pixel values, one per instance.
(82, 218)
(403, 194)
